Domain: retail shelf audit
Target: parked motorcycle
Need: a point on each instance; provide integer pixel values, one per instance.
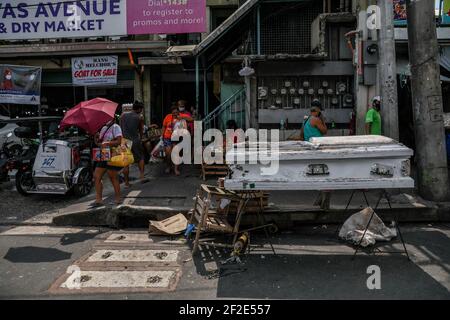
(9, 150)
(20, 167)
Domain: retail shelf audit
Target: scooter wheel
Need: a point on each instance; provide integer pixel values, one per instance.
(84, 184)
(24, 182)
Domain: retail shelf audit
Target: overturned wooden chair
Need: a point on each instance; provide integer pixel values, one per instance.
(211, 209)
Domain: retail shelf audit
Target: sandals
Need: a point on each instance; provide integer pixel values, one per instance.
(96, 205)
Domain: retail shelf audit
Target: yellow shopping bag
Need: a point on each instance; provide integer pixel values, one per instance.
(122, 155)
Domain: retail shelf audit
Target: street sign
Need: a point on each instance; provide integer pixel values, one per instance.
(94, 71)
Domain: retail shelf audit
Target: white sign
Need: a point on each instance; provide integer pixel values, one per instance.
(34, 19)
(94, 71)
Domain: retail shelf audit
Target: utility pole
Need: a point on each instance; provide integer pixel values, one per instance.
(427, 100)
(388, 71)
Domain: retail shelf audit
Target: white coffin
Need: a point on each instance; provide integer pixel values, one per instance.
(328, 163)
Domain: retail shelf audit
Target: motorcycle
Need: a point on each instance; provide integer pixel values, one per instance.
(9, 150)
(20, 167)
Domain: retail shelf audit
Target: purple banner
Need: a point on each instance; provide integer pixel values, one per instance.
(166, 16)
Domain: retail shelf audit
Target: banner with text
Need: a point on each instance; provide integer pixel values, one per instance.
(166, 16)
(33, 19)
(20, 84)
(94, 71)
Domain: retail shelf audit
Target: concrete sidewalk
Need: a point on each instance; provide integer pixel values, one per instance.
(165, 195)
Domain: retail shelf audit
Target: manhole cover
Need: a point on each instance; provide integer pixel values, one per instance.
(106, 255)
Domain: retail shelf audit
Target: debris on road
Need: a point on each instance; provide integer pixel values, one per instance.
(354, 228)
(170, 226)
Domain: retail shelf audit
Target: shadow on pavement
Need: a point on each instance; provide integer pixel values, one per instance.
(312, 268)
(35, 255)
(329, 277)
(71, 238)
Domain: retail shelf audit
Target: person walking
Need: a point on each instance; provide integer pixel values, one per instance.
(373, 117)
(132, 124)
(173, 121)
(314, 125)
(110, 136)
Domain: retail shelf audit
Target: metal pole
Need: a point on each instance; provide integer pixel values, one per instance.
(85, 93)
(40, 122)
(427, 101)
(258, 29)
(197, 84)
(388, 71)
(205, 91)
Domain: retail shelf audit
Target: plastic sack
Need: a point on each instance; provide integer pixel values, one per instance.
(124, 159)
(353, 229)
(122, 156)
(156, 152)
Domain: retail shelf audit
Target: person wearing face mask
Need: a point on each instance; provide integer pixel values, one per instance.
(373, 117)
(174, 121)
(7, 83)
(314, 125)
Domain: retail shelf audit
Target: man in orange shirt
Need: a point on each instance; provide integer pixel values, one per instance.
(169, 126)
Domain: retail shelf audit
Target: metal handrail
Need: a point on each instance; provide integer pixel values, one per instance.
(210, 121)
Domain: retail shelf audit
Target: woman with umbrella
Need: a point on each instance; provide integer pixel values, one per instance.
(96, 117)
(110, 136)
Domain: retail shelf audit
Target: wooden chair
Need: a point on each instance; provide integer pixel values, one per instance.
(216, 169)
(212, 219)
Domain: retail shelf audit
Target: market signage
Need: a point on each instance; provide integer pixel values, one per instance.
(34, 19)
(20, 84)
(94, 71)
(166, 16)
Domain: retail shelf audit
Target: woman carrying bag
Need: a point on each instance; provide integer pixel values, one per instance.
(109, 138)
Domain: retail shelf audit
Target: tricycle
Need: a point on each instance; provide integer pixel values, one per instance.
(61, 165)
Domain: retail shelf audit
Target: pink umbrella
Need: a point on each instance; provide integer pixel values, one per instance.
(90, 115)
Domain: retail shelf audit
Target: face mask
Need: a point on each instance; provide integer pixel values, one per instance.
(181, 109)
(8, 77)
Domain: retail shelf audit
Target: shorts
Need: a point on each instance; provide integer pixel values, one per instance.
(104, 165)
(167, 142)
(138, 151)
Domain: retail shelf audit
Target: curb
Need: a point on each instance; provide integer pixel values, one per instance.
(130, 216)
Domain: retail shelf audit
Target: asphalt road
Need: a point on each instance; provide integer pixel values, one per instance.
(308, 265)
